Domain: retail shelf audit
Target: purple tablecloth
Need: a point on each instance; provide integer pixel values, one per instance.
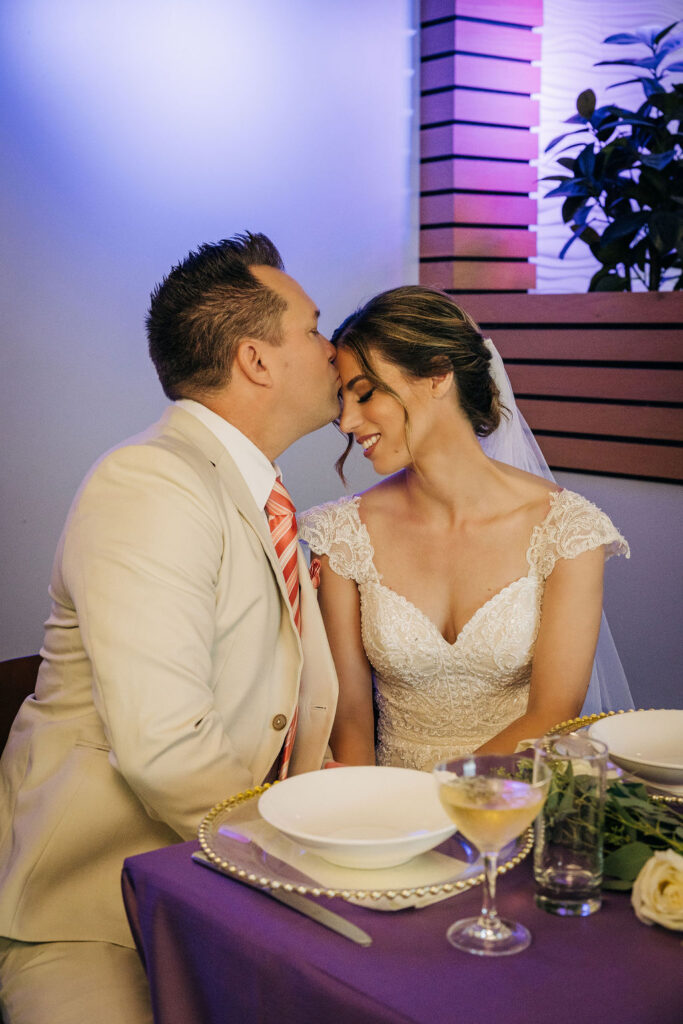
(217, 952)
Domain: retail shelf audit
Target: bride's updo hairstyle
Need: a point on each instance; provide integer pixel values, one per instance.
(423, 333)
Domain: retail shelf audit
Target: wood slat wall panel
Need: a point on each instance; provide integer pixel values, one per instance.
(475, 105)
(613, 457)
(481, 73)
(591, 308)
(592, 372)
(485, 175)
(478, 140)
(460, 275)
(599, 382)
(517, 12)
(476, 242)
(475, 209)
(628, 344)
(479, 37)
(610, 401)
(479, 70)
(653, 422)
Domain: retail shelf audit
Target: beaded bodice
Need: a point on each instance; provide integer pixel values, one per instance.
(436, 698)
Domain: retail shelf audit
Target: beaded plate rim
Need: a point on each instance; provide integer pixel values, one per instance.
(572, 724)
(234, 869)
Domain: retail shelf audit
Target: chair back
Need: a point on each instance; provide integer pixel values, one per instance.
(17, 681)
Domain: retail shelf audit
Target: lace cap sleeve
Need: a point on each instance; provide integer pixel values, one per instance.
(572, 526)
(336, 530)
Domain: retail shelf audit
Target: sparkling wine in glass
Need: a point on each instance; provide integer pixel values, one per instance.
(492, 798)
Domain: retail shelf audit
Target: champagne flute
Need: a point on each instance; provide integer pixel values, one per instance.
(492, 798)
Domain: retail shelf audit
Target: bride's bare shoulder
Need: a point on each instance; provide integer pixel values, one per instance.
(382, 499)
(533, 487)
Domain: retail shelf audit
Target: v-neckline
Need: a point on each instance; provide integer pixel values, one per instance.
(480, 610)
(466, 627)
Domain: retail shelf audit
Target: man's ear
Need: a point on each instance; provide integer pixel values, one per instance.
(251, 358)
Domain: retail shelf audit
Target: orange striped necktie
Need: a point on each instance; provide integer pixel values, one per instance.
(282, 522)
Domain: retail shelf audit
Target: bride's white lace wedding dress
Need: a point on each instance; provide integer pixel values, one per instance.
(437, 699)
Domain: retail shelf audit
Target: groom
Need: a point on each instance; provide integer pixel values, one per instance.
(184, 647)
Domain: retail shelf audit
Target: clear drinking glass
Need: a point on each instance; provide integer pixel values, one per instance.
(568, 850)
(492, 798)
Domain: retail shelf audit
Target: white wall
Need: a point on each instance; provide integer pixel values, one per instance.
(643, 594)
(134, 130)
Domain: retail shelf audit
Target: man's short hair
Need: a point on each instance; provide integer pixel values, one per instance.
(204, 306)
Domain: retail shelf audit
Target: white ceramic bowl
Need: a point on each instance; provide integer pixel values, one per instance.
(647, 743)
(359, 817)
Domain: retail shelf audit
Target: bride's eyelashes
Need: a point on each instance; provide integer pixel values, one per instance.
(366, 396)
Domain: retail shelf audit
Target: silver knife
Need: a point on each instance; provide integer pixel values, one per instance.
(297, 902)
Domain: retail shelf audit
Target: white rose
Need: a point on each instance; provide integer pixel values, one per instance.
(657, 895)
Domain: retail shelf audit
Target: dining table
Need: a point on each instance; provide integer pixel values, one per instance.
(217, 951)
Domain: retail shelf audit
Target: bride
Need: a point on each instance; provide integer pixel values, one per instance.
(466, 583)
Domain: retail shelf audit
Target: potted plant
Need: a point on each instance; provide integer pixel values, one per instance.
(623, 193)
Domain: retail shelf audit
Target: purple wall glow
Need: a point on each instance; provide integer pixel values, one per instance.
(134, 131)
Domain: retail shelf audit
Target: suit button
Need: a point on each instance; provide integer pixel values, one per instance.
(279, 722)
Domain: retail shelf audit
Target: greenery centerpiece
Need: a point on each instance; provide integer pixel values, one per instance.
(636, 825)
(623, 193)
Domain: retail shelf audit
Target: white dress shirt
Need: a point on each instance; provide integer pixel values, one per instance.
(258, 471)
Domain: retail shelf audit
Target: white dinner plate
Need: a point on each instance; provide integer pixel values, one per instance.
(360, 816)
(647, 743)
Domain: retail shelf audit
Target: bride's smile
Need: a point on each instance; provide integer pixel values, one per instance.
(392, 416)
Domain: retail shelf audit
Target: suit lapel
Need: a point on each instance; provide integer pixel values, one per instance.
(179, 420)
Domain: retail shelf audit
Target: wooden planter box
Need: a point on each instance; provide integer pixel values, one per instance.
(599, 376)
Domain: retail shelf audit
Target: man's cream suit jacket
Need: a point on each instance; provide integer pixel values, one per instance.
(171, 657)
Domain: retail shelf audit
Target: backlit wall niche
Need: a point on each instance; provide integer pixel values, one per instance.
(477, 109)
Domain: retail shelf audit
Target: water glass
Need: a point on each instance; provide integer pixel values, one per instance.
(568, 850)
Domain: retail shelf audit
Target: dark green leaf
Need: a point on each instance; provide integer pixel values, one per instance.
(585, 162)
(559, 139)
(669, 103)
(628, 225)
(569, 188)
(658, 160)
(585, 104)
(634, 62)
(668, 47)
(665, 31)
(582, 214)
(570, 242)
(616, 884)
(589, 235)
(571, 205)
(664, 230)
(627, 862)
(629, 38)
(605, 282)
(650, 86)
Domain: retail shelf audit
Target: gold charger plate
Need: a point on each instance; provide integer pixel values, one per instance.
(235, 837)
(583, 721)
(672, 794)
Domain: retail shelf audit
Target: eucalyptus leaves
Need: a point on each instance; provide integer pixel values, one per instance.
(635, 825)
